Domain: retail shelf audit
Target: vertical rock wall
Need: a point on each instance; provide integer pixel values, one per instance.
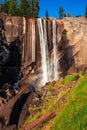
(28, 33)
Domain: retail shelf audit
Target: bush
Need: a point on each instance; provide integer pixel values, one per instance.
(64, 32)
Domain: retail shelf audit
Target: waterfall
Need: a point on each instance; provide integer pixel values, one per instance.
(47, 52)
(44, 48)
(49, 60)
(55, 59)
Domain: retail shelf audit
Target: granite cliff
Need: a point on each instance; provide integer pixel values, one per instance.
(34, 47)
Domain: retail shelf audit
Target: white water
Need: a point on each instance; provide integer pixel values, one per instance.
(49, 65)
(43, 51)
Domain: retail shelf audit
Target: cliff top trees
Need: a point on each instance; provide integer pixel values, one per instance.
(86, 12)
(47, 14)
(34, 8)
(68, 14)
(5, 6)
(12, 7)
(61, 12)
(25, 8)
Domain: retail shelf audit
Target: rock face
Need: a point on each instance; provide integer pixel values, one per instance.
(72, 46)
(26, 44)
(10, 58)
(28, 33)
(77, 36)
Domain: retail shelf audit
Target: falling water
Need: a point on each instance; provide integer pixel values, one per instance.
(47, 53)
(43, 51)
(55, 59)
(49, 63)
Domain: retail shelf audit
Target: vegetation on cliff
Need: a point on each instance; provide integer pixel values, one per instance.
(86, 12)
(63, 105)
(24, 8)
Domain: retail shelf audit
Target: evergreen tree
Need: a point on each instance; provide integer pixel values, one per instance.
(23, 8)
(47, 14)
(5, 6)
(61, 13)
(12, 7)
(68, 14)
(86, 12)
(34, 8)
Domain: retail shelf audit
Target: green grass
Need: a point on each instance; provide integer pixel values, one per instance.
(68, 79)
(74, 115)
(49, 86)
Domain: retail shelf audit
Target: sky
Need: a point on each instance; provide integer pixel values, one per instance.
(75, 7)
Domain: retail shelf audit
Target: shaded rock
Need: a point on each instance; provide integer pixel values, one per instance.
(76, 78)
(72, 70)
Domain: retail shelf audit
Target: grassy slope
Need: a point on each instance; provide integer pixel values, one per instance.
(69, 99)
(74, 116)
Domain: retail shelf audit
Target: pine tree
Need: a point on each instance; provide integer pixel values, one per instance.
(47, 14)
(5, 7)
(68, 14)
(12, 7)
(86, 12)
(34, 8)
(61, 13)
(23, 8)
(31, 8)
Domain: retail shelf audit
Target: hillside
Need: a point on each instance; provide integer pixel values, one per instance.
(62, 105)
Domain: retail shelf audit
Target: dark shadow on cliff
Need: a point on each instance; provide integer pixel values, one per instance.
(10, 58)
(17, 108)
(67, 59)
(12, 68)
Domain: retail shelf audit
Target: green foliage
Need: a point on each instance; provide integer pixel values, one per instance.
(49, 86)
(74, 116)
(5, 6)
(34, 8)
(47, 14)
(12, 6)
(69, 78)
(25, 8)
(37, 115)
(61, 13)
(86, 12)
(64, 32)
(68, 14)
(71, 104)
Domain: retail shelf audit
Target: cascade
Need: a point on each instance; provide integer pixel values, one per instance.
(49, 63)
(44, 48)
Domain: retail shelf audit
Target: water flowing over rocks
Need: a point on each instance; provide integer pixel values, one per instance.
(40, 50)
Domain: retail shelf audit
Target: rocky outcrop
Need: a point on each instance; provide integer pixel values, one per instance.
(76, 34)
(10, 58)
(28, 32)
(72, 46)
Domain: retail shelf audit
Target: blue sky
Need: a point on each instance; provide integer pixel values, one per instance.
(75, 7)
